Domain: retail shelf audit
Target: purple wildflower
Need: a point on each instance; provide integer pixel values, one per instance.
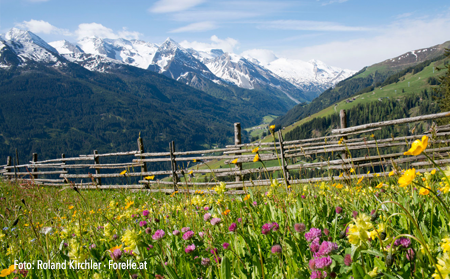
(315, 245)
(313, 234)
(266, 228)
(158, 235)
(348, 260)
(176, 232)
(403, 241)
(116, 254)
(134, 276)
(189, 248)
(226, 245)
(323, 263)
(207, 216)
(188, 235)
(145, 213)
(326, 248)
(276, 249)
(326, 232)
(255, 203)
(275, 226)
(115, 236)
(355, 214)
(201, 234)
(303, 197)
(312, 264)
(317, 274)
(206, 208)
(142, 223)
(205, 261)
(299, 227)
(338, 209)
(185, 229)
(213, 251)
(215, 221)
(239, 220)
(232, 227)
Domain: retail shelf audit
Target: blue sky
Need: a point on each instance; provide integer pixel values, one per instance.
(344, 33)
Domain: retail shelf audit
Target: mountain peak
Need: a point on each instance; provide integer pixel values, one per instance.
(26, 38)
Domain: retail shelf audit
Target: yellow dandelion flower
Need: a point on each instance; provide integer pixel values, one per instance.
(360, 180)
(433, 171)
(391, 173)
(340, 141)
(272, 127)
(71, 206)
(424, 191)
(417, 147)
(195, 160)
(151, 177)
(247, 197)
(226, 212)
(372, 135)
(191, 172)
(379, 185)
(8, 271)
(255, 150)
(256, 159)
(352, 170)
(407, 177)
(123, 172)
(234, 161)
(339, 186)
(341, 174)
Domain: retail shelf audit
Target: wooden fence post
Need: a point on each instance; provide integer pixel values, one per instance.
(141, 150)
(343, 118)
(35, 159)
(8, 164)
(174, 165)
(283, 160)
(238, 140)
(97, 171)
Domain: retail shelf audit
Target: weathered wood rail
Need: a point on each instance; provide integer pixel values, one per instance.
(324, 156)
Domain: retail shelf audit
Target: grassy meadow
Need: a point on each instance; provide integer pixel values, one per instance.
(383, 227)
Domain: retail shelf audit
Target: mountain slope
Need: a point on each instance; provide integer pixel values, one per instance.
(363, 81)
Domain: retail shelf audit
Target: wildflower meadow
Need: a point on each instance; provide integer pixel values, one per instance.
(393, 226)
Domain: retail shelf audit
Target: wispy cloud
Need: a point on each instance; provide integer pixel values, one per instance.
(98, 30)
(227, 45)
(307, 25)
(405, 15)
(42, 27)
(214, 15)
(170, 6)
(196, 27)
(391, 41)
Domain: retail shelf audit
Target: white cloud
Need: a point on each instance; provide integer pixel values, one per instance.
(308, 25)
(170, 6)
(98, 30)
(42, 27)
(129, 35)
(394, 40)
(196, 27)
(227, 45)
(265, 56)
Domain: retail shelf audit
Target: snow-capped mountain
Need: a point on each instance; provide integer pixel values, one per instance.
(25, 46)
(65, 47)
(174, 61)
(297, 79)
(312, 76)
(239, 71)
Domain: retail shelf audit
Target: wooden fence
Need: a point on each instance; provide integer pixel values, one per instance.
(327, 156)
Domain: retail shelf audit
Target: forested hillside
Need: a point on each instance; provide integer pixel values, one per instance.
(74, 111)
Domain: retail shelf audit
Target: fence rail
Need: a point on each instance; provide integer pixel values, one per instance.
(322, 157)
